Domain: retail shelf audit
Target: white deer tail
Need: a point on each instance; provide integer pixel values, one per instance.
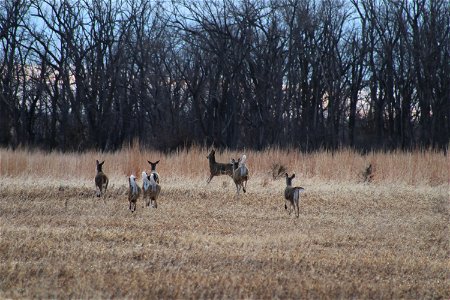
(133, 185)
(242, 166)
(145, 181)
(243, 160)
(152, 181)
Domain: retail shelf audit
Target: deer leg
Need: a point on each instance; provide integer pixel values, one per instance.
(209, 179)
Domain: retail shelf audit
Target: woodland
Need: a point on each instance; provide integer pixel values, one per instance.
(79, 75)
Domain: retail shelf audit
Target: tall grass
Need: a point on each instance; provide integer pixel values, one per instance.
(410, 168)
(387, 239)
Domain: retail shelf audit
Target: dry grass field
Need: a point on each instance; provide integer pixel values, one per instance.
(388, 238)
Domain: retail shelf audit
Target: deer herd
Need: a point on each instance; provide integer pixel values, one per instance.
(236, 169)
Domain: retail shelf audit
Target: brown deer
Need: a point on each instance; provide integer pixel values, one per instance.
(216, 168)
(151, 189)
(133, 193)
(101, 180)
(292, 194)
(240, 173)
(368, 174)
(153, 170)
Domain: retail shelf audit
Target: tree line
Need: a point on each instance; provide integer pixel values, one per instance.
(309, 74)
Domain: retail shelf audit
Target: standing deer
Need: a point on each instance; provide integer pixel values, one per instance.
(151, 189)
(101, 180)
(240, 173)
(292, 194)
(216, 168)
(133, 193)
(153, 170)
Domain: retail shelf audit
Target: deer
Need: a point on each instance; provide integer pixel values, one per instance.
(133, 192)
(368, 174)
(153, 169)
(151, 189)
(292, 194)
(216, 168)
(101, 180)
(240, 173)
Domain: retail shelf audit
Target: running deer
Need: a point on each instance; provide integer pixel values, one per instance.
(151, 189)
(153, 170)
(292, 194)
(240, 173)
(133, 193)
(216, 168)
(101, 180)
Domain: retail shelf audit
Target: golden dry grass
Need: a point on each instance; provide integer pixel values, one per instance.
(386, 239)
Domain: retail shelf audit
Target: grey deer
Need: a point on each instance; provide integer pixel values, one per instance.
(292, 194)
(240, 173)
(151, 189)
(133, 193)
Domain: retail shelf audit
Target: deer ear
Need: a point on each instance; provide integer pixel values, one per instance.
(97, 161)
(156, 162)
(293, 176)
(101, 164)
(286, 175)
(149, 162)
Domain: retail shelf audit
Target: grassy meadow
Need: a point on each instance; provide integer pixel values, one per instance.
(387, 238)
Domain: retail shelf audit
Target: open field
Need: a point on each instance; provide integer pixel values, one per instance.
(384, 239)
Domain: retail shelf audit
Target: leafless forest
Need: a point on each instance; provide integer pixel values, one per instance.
(370, 74)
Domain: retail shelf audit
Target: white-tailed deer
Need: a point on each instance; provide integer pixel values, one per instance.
(368, 174)
(133, 192)
(101, 180)
(240, 173)
(151, 189)
(292, 194)
(216, 168)
(153, 170)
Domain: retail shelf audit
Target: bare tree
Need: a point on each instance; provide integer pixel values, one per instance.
(79, 74)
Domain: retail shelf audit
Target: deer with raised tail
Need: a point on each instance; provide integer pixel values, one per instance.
(151, 189)
(240, 173)
(133, 193)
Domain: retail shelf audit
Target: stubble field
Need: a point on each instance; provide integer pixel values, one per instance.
(387, 238)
